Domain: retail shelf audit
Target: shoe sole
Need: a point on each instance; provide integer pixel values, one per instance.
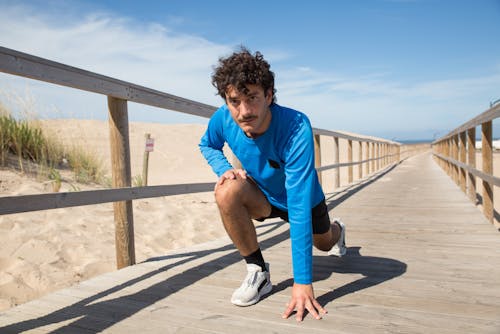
(264, 291)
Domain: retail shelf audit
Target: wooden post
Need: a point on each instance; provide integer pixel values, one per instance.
(445, 153)
(463, 159)
(336, 160)
(145, 161)
(377, 154)
(449, 154)
(487, 154)
(360, 156)
(349, 160)
(454, 155)
(384, 154)
(367, 157)
(372, 164)
(120, 163)
(471, 161)
(317, 155)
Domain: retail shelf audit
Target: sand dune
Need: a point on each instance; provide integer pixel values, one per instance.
(48, 250)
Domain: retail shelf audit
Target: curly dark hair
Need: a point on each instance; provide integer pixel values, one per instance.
(241, 69)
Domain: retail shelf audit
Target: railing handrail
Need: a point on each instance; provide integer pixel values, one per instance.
(342, 135)
(489, 115)
(474, 171)
(41, 69)
(456, 153)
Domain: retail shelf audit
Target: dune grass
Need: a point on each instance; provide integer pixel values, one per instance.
(26, 141)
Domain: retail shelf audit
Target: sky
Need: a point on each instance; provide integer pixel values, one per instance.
(396, 69)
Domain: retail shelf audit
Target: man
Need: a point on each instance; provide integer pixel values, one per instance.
(275, 147)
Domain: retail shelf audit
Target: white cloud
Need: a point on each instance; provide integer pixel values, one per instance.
(156, 56)
(373, 104)
(146, 54)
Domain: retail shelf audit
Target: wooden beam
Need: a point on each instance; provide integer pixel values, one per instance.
(487, 155)
(349, 160)
(360, 158)
(28, 66)
(336, 160)
(317, 155)
(488, 115)
(463, 159)
(372, 164)
(28, 203)
(120, 163)
(367, 157)
(471, 162)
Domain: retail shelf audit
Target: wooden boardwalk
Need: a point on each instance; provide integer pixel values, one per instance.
(421, 259)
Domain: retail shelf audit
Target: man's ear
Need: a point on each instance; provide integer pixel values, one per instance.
(269, 96)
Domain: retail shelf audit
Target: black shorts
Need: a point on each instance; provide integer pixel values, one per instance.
(320, 218)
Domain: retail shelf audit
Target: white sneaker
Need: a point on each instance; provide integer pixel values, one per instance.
(339, 249)
(256, 284)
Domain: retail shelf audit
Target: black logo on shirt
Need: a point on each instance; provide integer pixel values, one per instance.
(273, 164)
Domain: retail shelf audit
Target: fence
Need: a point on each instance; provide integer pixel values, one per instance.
(374, 154)
(456, 154)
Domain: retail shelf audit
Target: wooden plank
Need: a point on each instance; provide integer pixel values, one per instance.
(27, 203)
(29, 66)
(317, 156)
(360, 158)
(373, 156)
(421, 259)
(471, 162)
(488, 115)
(349, 160)
(122, 177)
(329, 133)
(486, 177)
(336, 161)
(487, 157)
(344, 164)
(367, 157)
(463, 159)
(25, 65)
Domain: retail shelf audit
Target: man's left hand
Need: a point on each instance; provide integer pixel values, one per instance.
(303, 299)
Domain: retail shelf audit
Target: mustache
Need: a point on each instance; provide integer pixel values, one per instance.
(247, 118)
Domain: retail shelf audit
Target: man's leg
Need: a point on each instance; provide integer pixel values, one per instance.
(327, 240)
(239, 200)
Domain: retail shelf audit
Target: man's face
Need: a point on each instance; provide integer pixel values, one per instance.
(250, 111)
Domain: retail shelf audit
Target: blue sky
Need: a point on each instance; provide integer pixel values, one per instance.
(394, 69)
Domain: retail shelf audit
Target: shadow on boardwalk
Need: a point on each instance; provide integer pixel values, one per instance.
(92, 315)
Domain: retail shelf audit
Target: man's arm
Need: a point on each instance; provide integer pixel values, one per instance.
(300, 180)
(211, 145)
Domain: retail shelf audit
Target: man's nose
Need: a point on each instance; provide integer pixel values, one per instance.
(245, 108)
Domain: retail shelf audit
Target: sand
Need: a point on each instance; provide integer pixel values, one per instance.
(47, 250)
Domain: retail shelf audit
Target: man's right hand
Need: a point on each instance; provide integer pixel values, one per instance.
(231, 175)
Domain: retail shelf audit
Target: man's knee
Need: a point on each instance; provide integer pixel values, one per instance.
(230, 191)
(325, 241)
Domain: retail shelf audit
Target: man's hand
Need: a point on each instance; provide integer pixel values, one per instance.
(303, 299)
(231, 175)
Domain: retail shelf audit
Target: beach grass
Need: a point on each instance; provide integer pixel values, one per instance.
(24, 141)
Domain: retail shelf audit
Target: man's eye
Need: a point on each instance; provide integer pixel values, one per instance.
(234, 102)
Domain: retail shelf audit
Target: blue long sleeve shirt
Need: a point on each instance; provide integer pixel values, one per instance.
(281, 161)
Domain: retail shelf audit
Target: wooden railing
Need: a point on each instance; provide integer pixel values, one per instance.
(375, 154)
(456, 154)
